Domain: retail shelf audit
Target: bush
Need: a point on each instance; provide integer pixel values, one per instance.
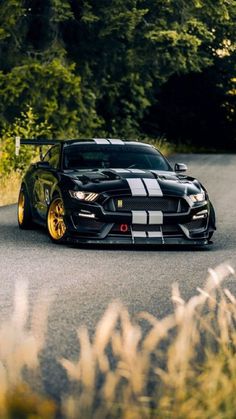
(27, 126)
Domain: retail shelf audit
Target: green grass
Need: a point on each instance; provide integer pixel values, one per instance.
(182, 366)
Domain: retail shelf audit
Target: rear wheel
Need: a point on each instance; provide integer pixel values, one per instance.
(55, 220)
(24, 211)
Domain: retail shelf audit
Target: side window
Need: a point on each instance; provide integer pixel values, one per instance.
(53, 156)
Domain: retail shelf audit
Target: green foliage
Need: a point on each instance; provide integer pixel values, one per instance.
(97, 68)
(54, 91)
(11, 12)
(134, 47)
(27, 126)
(61, 11)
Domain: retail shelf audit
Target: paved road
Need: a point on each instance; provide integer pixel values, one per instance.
(85, 280)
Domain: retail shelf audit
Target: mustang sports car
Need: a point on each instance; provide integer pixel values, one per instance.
(113, 191)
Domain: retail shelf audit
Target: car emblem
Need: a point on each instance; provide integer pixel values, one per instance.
(120, 203)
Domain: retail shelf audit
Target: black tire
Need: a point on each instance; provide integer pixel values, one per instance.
(212, 221)
(212, 216)
(24, 214)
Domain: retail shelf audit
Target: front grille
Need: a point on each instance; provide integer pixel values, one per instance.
(166, 205)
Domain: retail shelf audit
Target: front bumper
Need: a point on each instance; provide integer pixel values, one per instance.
(91, 223)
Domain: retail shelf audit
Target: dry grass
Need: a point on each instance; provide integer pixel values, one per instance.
(181, 366)
(9, 188)
(21, 343)
(161, 144)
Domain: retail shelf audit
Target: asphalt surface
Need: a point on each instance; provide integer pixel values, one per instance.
(85, 280)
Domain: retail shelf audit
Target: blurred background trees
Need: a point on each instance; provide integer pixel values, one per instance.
(121, 68)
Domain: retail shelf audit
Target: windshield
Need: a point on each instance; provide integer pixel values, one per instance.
(94, 156)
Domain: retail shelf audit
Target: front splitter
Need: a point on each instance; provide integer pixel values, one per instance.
(140, 241)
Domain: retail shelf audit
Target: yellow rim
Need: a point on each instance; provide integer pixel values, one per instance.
(21, 207)
(56, 225)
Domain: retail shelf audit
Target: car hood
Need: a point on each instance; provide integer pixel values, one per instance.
(111, 180)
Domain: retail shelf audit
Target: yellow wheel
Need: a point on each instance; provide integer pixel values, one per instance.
(55, 220)
(21, 207)
(24, 210)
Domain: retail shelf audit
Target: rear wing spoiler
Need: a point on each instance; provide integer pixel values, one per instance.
(33, 141)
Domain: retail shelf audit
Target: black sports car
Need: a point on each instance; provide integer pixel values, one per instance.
(113, 191)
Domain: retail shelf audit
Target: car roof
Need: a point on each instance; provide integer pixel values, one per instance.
(105, 141)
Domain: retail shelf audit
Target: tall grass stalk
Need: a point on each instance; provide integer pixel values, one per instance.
(20, 344)
(179, 366)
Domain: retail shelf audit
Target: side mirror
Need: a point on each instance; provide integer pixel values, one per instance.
(180, 167)
(43, 165)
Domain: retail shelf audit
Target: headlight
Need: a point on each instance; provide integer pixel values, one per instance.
(84, 196)
(198, 197)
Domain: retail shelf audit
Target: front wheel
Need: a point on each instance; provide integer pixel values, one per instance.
(55, 220)
(212, 221)
(24, 214)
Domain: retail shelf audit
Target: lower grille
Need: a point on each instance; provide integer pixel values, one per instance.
(168, 230)
(116, 231)
(196, 224)
(172, 230)
(88, 223)
(132, 203)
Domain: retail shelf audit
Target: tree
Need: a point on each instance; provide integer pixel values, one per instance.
(54, 91)
(98, 67)
(128, 50)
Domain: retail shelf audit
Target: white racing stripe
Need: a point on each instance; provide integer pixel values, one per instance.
(136, 171)
(108, 141)
(136, 234)
(121, 170)
(155, 234)
(101, 141)
(137, 187)
(139, 217)
(153, 187)
(155, 217)
(115, 141)
(148, 234)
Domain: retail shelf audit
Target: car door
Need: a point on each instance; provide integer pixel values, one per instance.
(46, 177)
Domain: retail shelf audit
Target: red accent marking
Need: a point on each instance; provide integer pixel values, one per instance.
(124, 228)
